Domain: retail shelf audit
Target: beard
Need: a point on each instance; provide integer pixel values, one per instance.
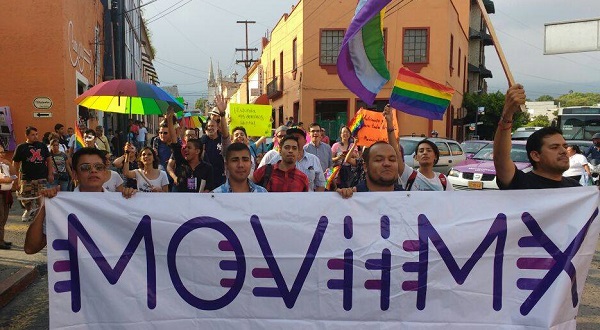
(381, 182)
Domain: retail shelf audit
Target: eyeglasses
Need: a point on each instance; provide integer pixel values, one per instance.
(85, 167)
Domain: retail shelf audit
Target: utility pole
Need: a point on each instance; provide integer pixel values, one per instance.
(247, 60)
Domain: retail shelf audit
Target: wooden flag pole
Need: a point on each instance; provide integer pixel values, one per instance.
(488, 23)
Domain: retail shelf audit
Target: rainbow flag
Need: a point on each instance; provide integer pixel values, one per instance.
(330, 175)
(420, 96)
(79, 143)
(361, 63)
(356, 123)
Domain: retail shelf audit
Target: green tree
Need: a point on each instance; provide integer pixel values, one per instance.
(200, 103)
(493, 104)
(539, 121)
(545, 98)
(578, 99)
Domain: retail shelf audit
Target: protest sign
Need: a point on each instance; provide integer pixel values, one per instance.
(255, 118)
(511, 260)
(374, 128)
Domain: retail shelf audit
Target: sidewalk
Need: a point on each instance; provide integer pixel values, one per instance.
(17, 269)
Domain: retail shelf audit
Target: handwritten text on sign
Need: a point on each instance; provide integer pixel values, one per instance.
(255, 118)
(217, 261)
(375, 128)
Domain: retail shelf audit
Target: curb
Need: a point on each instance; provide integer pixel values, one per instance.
(19, 281)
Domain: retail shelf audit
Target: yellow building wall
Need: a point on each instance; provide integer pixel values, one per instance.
(315, 82)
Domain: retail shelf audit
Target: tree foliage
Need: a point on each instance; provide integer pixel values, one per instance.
(545, 98)
(200, 103)
(539, 121)
(578, 99)
(493, 104)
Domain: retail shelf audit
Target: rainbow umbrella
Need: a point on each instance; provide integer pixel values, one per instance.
(128, 97)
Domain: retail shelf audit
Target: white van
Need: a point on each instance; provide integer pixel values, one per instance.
(522, 133)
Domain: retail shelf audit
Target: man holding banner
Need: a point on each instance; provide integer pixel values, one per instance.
(90, 171)
(546, 149)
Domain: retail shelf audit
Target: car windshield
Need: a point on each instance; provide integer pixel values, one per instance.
(408, 146)
(517, 153)
(472, 146)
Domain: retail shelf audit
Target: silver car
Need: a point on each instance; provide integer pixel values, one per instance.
(451, 152)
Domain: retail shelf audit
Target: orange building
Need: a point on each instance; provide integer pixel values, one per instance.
(51, 52)
(298, 62)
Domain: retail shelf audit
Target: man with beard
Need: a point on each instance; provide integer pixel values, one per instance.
(216, 140)
(381, 168)
(546, 149)
(283, 176)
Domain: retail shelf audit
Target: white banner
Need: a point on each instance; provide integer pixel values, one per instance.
(418, 260)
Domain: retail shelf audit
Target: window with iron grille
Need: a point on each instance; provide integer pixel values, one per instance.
(331, 40)
(415, 46)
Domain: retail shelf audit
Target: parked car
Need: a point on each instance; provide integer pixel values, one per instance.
(471, 147)
(450, 152)
(479, 173)
(522, 133)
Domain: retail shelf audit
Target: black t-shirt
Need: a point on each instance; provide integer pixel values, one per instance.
(213, 155)
(33, 160)
(531, 180)
(190, 179)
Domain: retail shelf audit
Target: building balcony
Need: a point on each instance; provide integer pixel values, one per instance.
(274, 90)
(488, 4)
(481, 70)
(485, 38)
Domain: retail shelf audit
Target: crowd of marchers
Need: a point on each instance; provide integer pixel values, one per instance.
(179, 160)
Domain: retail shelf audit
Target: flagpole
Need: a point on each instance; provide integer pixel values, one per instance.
(503, 61)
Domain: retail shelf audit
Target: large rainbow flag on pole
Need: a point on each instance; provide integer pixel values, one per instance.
(361, 64)
(420, 96)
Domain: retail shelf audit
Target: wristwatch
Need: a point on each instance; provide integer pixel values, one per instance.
(222, 114)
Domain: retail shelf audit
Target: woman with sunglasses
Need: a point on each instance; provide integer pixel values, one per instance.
(149, 178)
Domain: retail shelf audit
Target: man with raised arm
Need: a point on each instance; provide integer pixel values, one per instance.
(546, 149)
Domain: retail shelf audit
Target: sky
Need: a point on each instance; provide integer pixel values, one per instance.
(186, 34)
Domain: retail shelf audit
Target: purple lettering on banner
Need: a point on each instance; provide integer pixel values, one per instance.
(427, 232)
(235, 285)
(289, 296)
(344, 284)
(77, 232)
(383, 284)
(562, 259)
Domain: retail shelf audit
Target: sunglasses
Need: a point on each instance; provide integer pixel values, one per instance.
(280, 136)
(88, 167)
(162, 133)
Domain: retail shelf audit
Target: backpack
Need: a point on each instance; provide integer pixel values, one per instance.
(413, 176)
(267, 176)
